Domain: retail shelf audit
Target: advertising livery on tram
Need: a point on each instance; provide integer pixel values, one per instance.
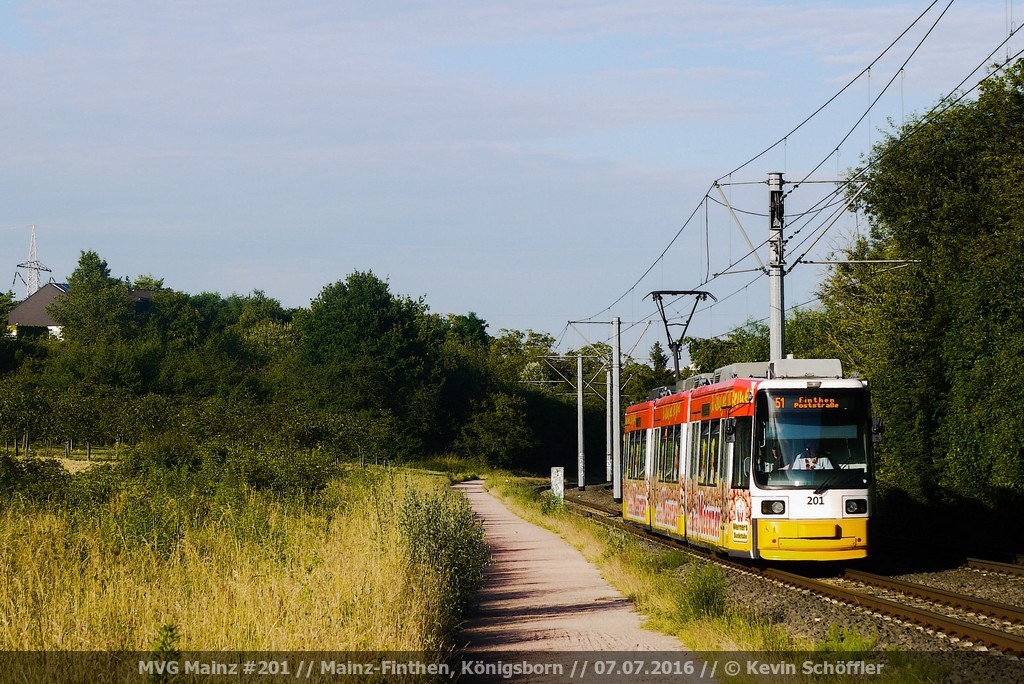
(758, 460)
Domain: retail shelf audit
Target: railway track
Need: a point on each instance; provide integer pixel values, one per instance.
(1014, 569)
(968, 621)
(931, 612)
(972, 604)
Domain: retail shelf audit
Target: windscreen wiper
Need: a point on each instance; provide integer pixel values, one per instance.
(824, 486)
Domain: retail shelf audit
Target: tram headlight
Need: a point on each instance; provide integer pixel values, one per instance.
(773, 507)
(856, 506)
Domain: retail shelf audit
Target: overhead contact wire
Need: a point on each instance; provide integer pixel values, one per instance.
(834, 97)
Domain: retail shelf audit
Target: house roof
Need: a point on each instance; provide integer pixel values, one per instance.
(32, 313)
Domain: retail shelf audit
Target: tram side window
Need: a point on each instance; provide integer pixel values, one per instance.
(714, 453)
(694, 451)
(710, 444)
(741, 450)
(702, 451)
(668, 454)
(641, 455)
(655, 449)
(677, 447)
(636, 443)
(627, 454)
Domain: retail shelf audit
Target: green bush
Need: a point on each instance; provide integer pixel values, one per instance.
(35, 479)
(92, 486)
(284, 471)
(151, 516)
(177, 461)
(168, 451)
(442, 533)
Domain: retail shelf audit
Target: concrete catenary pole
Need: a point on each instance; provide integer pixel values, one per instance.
(581, 463)
(776, 269)
(616, 411)
(609, 438)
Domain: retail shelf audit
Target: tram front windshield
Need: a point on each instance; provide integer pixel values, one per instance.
(816, 438)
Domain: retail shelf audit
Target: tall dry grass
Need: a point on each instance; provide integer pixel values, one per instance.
(237, 570)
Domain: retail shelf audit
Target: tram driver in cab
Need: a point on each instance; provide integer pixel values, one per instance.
(811, 460)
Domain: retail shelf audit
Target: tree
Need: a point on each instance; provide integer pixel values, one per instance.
(24, 408)
(469, 329)
(7, 346)
(173, 320)
(498, 431)
(520, 355)
(639, 379)
(940, 339)
(464, 363)
(369, 349)
(7, 304)
(148, 282)
(96, 308)
(659, 359)
(749, 343)
(808, 336)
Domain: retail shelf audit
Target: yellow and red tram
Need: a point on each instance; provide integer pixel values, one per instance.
(758, 460)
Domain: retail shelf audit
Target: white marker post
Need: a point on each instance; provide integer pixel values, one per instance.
(558, 483)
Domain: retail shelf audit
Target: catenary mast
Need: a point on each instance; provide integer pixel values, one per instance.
(776, 269)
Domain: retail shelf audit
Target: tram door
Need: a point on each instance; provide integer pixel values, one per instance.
(706, 490)
(636, 479)
(737, 526)
(665, 489)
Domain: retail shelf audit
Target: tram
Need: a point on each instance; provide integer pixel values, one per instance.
(756, 460)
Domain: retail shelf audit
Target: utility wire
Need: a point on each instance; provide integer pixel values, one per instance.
(832, 99)
(940, 109)
(816, 211)
(826, 202)
(757, 156)
(762, 320)
(653, 264)
(842, 187)
(879, 96)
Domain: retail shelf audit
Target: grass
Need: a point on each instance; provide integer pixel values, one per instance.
(686, 597)
(217, 568)
(75, 465)
(455, 468)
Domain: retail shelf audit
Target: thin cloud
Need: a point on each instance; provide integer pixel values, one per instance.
(217, 143)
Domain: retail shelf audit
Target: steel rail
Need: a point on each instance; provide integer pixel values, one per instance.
(994, 566)
(1002, 611)
(992, 638)
(977, 634)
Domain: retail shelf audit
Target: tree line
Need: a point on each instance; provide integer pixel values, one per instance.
(362, 373)
(940, 334)
(367, 373)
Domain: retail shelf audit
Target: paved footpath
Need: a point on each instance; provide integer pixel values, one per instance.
(540, 594)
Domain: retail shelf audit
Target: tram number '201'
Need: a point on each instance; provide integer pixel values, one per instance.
(815, 501)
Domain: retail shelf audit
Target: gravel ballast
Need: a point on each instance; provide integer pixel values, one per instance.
(811, 618)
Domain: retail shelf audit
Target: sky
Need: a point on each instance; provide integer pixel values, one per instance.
(527, 161)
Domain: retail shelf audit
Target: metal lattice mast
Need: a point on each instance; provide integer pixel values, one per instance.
(33, 267)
